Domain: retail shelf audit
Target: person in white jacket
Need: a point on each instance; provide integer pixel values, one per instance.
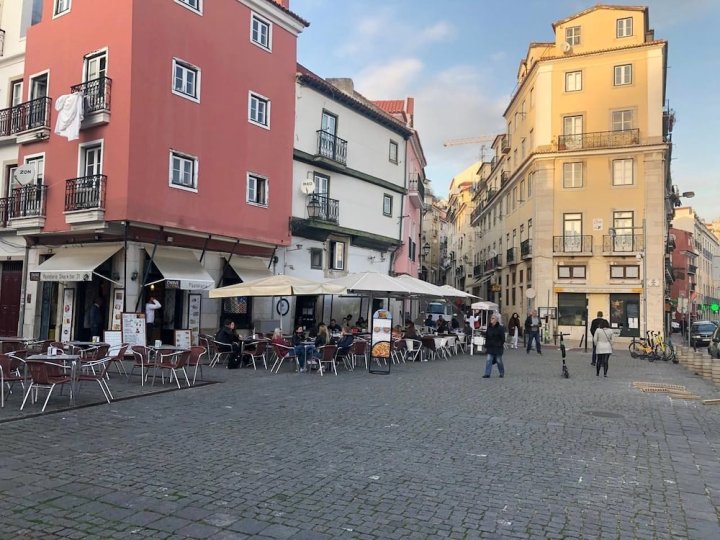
(603, 346)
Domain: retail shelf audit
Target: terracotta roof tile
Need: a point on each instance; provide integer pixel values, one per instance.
(295, 16)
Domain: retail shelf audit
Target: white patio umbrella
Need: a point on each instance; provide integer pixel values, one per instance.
(452, 292)
(425, 288)
(278, 285)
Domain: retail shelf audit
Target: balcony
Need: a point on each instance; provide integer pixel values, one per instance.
(331, 147)
(478, 270)
(475, 214)
(505, 145)
(323, 208)
(26, 208)
(623, 244)
(29, 121)
(526, 249)
(692, 269)
(573, 244)
(599, 139)
(510, 256)
(4, 210)
(97, 101)
(85, 199)
(491, 193)
(416, 190)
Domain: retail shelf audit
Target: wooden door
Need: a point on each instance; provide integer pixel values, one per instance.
(10, 287)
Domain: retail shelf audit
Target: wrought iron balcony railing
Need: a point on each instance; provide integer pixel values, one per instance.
(4, 210)
(477, 270)
(85, 193)
(510, 255)
(323, 208)
(27, 201)
(623, 243)
(332, 147)
(2, 42)
(417, 185)
(526, 248)
(505, 144)
(26, 116)
(572, 244)
(96, 92)
(599, 139)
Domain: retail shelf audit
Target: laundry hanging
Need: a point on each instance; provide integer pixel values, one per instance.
(71, 112)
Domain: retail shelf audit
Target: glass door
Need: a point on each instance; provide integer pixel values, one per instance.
(572, 132)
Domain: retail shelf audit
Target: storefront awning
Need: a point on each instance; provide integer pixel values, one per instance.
(180, 269)
(250, 268)
(74, 263)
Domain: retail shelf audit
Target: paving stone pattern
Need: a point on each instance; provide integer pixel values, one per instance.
(431, 451)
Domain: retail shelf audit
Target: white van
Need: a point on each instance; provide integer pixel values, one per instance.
(435, 309)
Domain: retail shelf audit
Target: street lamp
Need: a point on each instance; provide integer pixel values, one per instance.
(313, 207)
(426, 250)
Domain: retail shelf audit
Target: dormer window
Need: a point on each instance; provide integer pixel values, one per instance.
(572, 35)
(624, 27)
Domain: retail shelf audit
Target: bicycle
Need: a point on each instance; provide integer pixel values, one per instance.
(665, 349)
(642, 347)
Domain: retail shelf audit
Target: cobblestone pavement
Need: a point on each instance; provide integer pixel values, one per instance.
(430, 451)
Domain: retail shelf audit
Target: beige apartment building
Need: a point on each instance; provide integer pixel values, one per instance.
(572, 214)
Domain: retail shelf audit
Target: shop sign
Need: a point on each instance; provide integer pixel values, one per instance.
(60, 276)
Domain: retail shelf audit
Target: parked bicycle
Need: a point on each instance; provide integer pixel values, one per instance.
(642, 347)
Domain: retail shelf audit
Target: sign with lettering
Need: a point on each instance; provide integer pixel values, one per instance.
(112, 338)
(183, 338)
(194, 303)
(188, 284)
(117, 307)
(60, 276)
(67, 315)
(134, 331)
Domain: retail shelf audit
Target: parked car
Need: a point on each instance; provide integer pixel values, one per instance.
(714, 347)
(675, 326)
(701, 332)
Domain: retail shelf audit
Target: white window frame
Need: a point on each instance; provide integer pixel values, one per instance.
(575, 169)
(259, 98)
(624, 27)
(255, 18)
(82, 148)
(573, 81)
(622, 119)
(387, 205)
(188, 67)
(337, 262)
(185, 157)
(197, 10)
(620, 170)
(252, 183)
(394, 149)
(572, 35)
(316, 252)
(58, 4)
(622, 75)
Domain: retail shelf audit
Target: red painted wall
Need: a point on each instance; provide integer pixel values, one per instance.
(148, 120)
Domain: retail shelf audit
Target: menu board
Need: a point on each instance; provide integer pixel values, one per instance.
(183, 339)
(381, 333)
(194, 301)
(117, 307)
(133, 329)
(112, 338)
(67, 315)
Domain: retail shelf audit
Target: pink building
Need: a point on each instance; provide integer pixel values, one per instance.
(683, 292)
(180, 178)
(408, 257)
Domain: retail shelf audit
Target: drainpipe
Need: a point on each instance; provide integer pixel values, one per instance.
(23, 289)
(125, 250)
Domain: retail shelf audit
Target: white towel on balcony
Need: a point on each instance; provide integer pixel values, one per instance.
(71, 111)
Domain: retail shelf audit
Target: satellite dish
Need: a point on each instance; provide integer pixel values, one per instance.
(24, 174)
(566, 47)
(530, 293)
(307, 186)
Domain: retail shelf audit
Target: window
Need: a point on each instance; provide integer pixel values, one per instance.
(532, 97)
(260, 32)
(183, 171)
(259, 110)
(624, 27)
(573, 175)
(572, 132)
(573, 81)
(316, 258)
(572, 35)
(623, 225)
(61, 7)
(90, 160)
(622, 120)
(623, 74)
(412, 249)
(16, 90)
(257, 190)
(337, 255)
(624, 271)
(571, 272)
(571, 309)
(622, 171)
(387, 205)
(39, 162)
(531, 177)
(31, 15)
(394, 152)
(193, 5)
(522, 191)
(522, 149)
(186, 80)
(572, 233)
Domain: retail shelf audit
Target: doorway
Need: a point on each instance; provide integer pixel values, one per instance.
(625, 314)
(10, 289)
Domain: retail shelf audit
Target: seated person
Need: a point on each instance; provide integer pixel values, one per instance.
(442, 325)
(334, 327)
(300, 348)
(429, 321)
(277, 338)
(454, 324)
(323, 337)
(396, 332)
(360, 323)
(410, 331)
(227, 341)
(345, 343)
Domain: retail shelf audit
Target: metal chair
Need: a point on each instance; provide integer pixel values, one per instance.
(46, 375)
(220, 352)
(282, 353)
(257, 350)
(327, 356)
(141, 359)
(101, 377)
(174, 362)
(397, 351)
(12, 370)
(359, 349)
(413, 349)
(195, 360)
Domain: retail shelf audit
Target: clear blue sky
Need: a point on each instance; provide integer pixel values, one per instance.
(459, 59)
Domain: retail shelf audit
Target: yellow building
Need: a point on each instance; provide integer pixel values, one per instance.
(574, 210)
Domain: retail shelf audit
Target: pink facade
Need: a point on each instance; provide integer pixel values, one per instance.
(684, 271)
(147, 120)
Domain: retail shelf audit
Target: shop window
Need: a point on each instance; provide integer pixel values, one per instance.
(571, 309)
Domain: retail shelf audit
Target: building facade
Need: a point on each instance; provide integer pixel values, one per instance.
(460, 238)
(434, 242)
(586, 153)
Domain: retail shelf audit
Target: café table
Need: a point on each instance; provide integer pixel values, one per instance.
(72, 359)
(13, 343)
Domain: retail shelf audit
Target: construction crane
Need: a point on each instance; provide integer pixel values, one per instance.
(472, 140)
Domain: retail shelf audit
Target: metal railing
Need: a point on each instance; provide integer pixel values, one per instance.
(623, 243)
(525, 248)
(416, 184)
(572, 244)
(2, 42)
(477, 270)
(27, 201)
(332, 147)
(96, 92)
(692, 269)
(4, 211)
(505, 144)
(475, 214)
(327, 209)
(599, 139)
(25, 116)
(85, 193)
(510, 255)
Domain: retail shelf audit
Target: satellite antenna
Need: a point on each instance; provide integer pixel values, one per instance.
(308, 185)
(566, 47)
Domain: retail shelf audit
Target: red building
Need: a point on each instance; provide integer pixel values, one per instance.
(180, 177)
(684, 268)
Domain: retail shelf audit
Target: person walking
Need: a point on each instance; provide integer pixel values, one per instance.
(594, 325)
(532, 329)
(602, 341)
(514, 330)
(151, 307)
(96, 317)
(494, 345)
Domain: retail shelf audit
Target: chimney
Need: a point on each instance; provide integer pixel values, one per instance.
(344, 84)
(283, 3)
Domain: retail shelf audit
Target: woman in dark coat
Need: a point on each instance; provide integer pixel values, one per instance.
(494, 345)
